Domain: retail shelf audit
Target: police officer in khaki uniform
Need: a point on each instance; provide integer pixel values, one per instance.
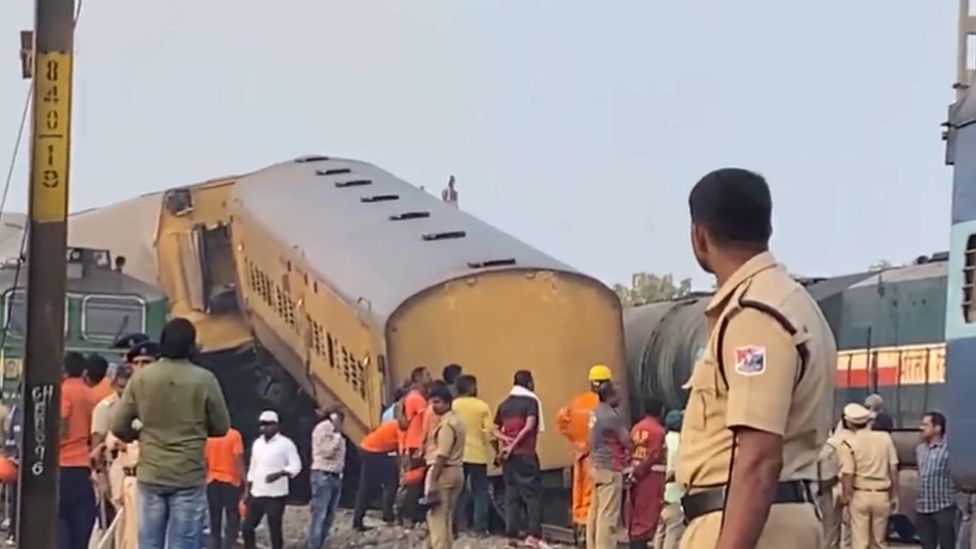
(445, 458)
(837, 532)
(760, 397)
(869, 473)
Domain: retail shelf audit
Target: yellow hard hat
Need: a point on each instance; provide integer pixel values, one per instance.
(600, 372)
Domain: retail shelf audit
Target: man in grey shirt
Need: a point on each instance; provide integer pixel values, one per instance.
(610, 450)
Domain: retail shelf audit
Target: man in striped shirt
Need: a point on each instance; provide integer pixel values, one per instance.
(935, 504)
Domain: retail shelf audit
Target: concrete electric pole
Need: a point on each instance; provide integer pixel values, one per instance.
(46, 273)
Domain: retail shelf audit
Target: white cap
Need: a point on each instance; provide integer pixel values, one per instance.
(268, 416)
(857, 414)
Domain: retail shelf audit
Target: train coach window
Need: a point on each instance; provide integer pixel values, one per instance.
(15, 313)
(106, 318)
(969, 281)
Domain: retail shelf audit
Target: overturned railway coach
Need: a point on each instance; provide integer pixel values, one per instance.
(325, 281)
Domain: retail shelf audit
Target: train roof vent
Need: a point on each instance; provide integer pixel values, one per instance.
(333, 171)
(311, 158)
(353, 183)
(379, 198)
(409, 215)
(446, 235)
(507, 262)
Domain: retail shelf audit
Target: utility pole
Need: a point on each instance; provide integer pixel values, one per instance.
(46, 271)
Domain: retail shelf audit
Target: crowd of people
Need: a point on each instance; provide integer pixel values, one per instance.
(149, 458)
(859, 482)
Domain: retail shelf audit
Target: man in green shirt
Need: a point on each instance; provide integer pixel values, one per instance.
(177, 405)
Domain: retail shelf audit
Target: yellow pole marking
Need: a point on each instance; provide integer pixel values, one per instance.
(52, 127)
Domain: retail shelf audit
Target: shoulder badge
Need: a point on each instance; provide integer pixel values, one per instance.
(750, 360)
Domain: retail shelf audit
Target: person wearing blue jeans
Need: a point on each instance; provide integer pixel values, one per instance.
(476, 490)
(326, 491)
(171, 518)
(171, 406)
(328, 462)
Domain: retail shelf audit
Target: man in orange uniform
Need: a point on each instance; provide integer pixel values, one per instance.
(379, 473)
(225, 487)
(573, 421)
(411, 417)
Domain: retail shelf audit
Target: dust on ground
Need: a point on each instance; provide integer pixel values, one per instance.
(379, 536)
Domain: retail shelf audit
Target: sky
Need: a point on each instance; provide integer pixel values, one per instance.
(577, 126)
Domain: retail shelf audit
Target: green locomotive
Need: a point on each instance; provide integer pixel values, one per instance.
(102, 304)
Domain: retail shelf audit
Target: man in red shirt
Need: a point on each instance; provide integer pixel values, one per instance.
(517, 427)
(76, 506)
(642, 507)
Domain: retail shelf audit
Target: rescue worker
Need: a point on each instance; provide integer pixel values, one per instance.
(410, 415)
(445, 458)
(642, 508)
(760, 395)
(611, 453)
(869, 474)
(836, 522)
(573, 421)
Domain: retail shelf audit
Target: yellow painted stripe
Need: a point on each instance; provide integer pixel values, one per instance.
(52, 127)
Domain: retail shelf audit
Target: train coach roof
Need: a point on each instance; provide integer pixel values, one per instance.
(349, 238)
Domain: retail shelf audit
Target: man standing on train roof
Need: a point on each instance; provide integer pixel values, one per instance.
(761, 395)
(869, 474)
(573, 421)
(450, 194)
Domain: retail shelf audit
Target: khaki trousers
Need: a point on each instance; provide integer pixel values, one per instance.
(670, 527)
(440, 519)
(603, 517)
(789, 526)
(869, 519)
(834, 519)
(127, 531)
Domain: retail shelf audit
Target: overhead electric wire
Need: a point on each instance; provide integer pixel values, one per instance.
(21, 259)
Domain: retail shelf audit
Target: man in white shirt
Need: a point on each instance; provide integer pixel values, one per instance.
(328, 461)
(274, 460)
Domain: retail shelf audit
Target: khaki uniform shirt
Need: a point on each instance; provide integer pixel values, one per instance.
(764, 386)
(447, 440)
(830, 454)
(869, 456)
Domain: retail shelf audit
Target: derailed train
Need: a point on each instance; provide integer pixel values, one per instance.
(324, 281)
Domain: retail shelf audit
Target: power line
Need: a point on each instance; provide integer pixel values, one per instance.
(6, 193)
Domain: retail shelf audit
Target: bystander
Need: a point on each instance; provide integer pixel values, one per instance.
(179, 405)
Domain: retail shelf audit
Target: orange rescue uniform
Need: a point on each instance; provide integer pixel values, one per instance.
(573, 421)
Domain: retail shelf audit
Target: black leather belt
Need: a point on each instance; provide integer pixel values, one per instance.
(880, 490)
(713, 499)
